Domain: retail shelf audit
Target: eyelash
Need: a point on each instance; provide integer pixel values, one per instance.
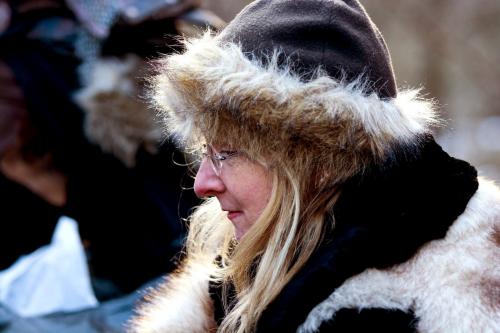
(225, 154)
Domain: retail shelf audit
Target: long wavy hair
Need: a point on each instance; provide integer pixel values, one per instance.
(274, 249)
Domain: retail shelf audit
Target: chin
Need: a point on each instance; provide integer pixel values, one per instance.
(238, 234)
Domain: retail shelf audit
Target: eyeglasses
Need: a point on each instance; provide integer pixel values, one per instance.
(217, 158)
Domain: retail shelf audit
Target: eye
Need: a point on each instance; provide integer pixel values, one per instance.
(220, 157)
(228, 153)
(225, 154)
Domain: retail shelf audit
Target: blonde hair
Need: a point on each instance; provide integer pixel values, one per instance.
(273, 250)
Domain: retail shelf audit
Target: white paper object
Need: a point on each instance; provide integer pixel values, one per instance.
(54, 278)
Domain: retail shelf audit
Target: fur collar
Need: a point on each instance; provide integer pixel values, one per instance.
(382, 219)
(180, 304)
(451, 284)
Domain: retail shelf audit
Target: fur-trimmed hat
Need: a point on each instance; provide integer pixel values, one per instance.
(290, 78)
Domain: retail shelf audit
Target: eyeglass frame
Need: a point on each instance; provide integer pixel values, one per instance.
(217, 158)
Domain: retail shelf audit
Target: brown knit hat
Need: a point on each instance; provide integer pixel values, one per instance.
(290, 78)
(338, 35)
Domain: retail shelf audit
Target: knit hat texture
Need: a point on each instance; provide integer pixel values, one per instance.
(336, 35)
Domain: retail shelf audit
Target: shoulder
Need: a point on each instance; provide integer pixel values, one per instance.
(451, 284)
(180, 304)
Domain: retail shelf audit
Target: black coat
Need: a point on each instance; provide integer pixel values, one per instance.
(392, 263)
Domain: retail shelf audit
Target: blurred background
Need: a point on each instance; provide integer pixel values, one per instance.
(78, 141)
(450, 49)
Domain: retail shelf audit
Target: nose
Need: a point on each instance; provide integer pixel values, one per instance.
(207, 183)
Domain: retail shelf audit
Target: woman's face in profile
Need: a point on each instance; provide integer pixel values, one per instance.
(241, 185)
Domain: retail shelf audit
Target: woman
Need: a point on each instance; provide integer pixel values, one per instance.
(330, 208)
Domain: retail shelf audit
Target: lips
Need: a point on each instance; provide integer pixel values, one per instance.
(233, 214)
(230, 213)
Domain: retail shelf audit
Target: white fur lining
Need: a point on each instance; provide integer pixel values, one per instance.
(209, 76)
(450, 284)
(182, 304)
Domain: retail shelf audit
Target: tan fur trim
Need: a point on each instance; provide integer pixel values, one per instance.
(215, 92)
(116, 119)
(451, 284)
(182, 304)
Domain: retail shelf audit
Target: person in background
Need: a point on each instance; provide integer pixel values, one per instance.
(73, 145)
(329, 207)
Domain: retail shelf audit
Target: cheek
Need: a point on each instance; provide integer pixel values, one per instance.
(257, 192)
(264, 192)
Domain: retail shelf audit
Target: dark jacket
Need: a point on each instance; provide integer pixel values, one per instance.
(415, 249)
